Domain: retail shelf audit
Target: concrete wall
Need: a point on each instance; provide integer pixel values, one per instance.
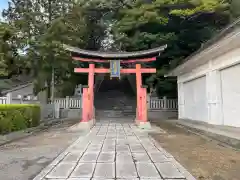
(48, 111)
(74, 113)
(42, 97)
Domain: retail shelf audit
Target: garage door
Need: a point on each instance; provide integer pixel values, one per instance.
(231, 95)
(195, 99)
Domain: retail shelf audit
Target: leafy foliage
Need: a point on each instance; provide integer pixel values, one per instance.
(8, 51)
(34, 33)
(18, 117)
(235, 9)
(43, 26)
(184, 25)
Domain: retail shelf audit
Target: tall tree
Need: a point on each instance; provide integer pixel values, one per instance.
(183, 25)
(8, 51)
(235, 9)
(43, 26)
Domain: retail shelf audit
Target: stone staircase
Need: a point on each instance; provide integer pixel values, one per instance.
(114, 101)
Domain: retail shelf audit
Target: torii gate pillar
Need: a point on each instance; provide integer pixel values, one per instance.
(141, 110)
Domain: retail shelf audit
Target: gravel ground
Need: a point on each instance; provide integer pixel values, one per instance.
(204, 158)
(23, 159)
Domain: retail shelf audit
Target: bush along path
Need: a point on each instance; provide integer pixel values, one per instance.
(18, 117)
(27, 126)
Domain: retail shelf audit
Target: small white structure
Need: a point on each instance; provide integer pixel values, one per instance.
(209, 81)
(78, 91)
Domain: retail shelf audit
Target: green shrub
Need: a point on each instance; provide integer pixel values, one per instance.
(14, 117)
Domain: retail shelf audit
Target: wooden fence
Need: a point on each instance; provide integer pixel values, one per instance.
(68, 102)
(163, 104)
(76, 103)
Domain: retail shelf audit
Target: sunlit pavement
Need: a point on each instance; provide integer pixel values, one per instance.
(114, 150)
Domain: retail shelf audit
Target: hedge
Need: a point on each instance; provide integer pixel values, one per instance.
(15, 117)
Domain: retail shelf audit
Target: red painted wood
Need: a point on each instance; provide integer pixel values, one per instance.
(139, 60)
(142, 70)
(144, 104)
(85, 106)
(91, 91)
(122, 61)
(88, 94)
(123, 71)
(81, 70)
(138, 86)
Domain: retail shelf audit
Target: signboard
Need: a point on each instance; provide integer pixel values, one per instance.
(115, 68)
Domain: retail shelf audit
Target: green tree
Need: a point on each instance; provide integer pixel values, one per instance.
(235, 9)
(8, 52)
(183, 25)
(43, 26)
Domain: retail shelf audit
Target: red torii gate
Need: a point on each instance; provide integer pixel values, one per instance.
(88, 114)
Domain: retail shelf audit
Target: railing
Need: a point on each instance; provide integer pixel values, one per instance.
(163, 104)
(68, 103)
(3, 100)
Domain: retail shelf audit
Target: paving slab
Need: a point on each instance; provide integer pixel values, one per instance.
(108, 148)
(129, 179)
(89, 157)
(122, 148)
(73, 156)
(75, 179)
(105, 170)
(124, 157)
(62, 170)
(137, 148)
(115, 150)
(106, 157)
(141, 157)
(158, 157)
(169, 170)
(102, 179)
(94, 147)
(147, 170)
(126, 170)
(83, 170)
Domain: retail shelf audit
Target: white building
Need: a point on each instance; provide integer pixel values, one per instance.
(209, 81)
(21, 85)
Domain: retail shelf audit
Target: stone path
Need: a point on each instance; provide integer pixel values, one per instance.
(114, 150)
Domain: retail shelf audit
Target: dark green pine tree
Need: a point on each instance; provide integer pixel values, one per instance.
(235, 9)
(183, 25)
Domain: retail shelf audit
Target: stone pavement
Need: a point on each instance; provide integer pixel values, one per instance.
(114, 150)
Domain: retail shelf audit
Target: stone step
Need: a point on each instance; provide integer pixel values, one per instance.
(114, 113)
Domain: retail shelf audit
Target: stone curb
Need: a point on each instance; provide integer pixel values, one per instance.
(8, 138)
(234, 143)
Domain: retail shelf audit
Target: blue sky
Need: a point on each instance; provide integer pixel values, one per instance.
(3, 4)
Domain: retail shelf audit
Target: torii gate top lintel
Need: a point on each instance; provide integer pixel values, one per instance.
(81, 54)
